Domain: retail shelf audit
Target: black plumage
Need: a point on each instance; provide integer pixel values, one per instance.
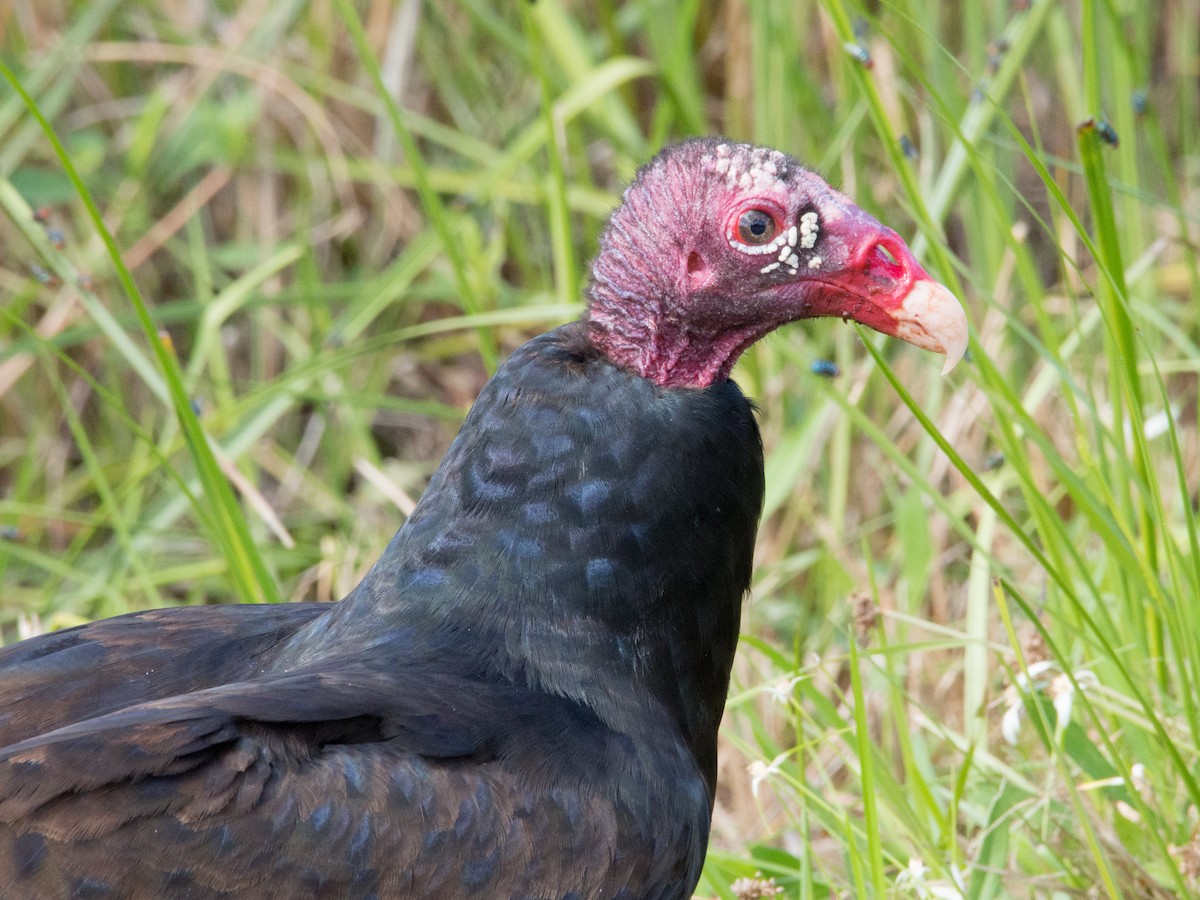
(521, 698)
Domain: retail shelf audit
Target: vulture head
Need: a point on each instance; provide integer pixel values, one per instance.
(719, 243)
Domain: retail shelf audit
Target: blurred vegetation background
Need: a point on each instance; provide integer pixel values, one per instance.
(970, 663)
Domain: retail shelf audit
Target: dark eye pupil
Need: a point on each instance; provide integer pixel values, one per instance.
(755, 227)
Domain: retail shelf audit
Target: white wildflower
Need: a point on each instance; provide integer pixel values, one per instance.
(1061, 690)
(914, 880)
(1010, 725)
(912, 875)
(761, 771)
(780, 690)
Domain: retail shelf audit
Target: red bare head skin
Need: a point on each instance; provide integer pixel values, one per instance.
(718, 243)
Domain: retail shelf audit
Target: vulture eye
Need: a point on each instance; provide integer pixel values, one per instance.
(755, 226)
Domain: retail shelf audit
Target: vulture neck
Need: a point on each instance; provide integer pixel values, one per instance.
(638, 331)
(642, 321)
(588, 534)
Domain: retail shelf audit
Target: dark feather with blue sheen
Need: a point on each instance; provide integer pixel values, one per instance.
(520, 700)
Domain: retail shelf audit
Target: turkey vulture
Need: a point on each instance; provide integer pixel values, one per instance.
(521, 698)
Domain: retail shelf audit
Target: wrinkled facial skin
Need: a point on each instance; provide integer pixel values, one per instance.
(723, 243)
(770, 223)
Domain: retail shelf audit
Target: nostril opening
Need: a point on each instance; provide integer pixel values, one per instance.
(888, 261)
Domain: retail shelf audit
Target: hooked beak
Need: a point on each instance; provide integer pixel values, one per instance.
(882, 286)
(930, 317)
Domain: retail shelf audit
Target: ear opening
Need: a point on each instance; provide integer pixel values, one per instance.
(698, 272)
